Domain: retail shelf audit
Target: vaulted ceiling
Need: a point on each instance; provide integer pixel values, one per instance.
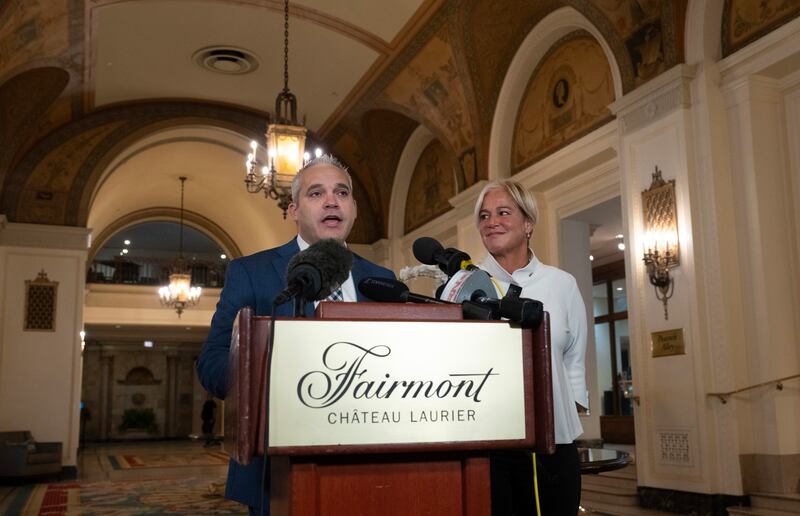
(152, 89)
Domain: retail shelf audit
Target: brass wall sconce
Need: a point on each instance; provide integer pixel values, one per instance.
(662, 251)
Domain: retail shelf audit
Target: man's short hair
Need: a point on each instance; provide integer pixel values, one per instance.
(322, 159)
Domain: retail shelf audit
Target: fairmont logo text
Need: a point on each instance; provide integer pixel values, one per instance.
(345, 373)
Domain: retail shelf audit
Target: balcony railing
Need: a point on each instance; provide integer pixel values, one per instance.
(154, 271)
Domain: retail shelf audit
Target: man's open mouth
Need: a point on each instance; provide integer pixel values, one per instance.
(331, 220)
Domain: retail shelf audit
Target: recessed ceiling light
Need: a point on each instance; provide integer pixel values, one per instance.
(591, 257)
(148, 343)
(127, 242)
(223, 256)
(620, 236)
(621, 246)
(619, 289)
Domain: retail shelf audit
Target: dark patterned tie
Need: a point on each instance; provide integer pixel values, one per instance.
(336, 295)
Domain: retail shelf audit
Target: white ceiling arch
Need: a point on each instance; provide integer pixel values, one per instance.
(145, 177)
(543, 36)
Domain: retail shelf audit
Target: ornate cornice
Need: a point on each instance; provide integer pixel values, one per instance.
(655, 99)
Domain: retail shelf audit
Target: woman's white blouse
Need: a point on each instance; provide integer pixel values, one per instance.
(558, 292)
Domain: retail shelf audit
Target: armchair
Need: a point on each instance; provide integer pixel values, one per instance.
(22, 456)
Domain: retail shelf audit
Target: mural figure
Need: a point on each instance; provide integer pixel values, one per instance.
(432, 184)
(567, 96)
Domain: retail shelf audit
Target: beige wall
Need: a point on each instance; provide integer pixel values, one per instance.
(40, 371)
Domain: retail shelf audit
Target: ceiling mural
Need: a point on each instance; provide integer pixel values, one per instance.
(44, 196)
(384, 134)
(439, 63)
(53, 183)
(566, 98)
(628, 16)
(652, 34)
(33, 30)
(744, 21)
(432, 184)
(492, 33)
(24, 99)
(431, 86)
(348, 149)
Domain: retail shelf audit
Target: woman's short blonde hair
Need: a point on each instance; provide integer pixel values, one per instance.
(521, 197)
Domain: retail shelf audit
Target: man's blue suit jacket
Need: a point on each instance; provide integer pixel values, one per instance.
(254, 281)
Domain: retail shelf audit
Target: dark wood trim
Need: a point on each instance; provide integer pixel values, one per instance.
(608, 271)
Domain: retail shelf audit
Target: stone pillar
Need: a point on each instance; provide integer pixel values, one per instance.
(171, 413)
(106, 395)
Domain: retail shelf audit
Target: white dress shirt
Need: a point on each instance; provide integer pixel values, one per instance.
(348, 287)
(558, 292)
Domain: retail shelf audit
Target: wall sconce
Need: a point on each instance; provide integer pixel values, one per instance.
(662, 251)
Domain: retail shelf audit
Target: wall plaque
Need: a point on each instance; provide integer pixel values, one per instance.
(667, 343)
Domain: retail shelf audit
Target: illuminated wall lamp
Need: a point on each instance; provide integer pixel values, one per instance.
(662, 250)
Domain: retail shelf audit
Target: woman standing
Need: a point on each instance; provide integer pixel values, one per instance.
(506, 216)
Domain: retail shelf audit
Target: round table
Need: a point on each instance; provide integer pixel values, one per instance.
(597, 460)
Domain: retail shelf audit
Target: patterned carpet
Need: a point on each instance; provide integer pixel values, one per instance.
(166, 460)
(143, 497)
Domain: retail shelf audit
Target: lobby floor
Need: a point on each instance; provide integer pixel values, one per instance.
(169, 477)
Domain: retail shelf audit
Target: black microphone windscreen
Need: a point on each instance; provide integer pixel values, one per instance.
(331, 258)
(384, 290)
(426, 250)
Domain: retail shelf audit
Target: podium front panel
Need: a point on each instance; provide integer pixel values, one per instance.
(349, 386)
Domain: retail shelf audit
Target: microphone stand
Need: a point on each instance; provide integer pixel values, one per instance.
(299, 306)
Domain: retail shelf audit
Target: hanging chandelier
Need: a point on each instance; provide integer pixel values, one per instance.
(179, 294)
(285, 153)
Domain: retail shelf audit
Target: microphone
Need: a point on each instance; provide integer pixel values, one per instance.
(316, 272)
(386, 290)
(468, 285)
(450, 260)
(528, 313)
(478, 287)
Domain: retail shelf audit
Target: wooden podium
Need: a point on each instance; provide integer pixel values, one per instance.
(386, 479)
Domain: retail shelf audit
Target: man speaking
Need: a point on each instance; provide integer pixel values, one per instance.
(323, 207)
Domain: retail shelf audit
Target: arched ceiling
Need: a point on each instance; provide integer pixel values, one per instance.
(146, 177)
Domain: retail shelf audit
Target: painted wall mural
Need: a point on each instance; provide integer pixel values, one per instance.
(744, 21)
(365, 229)
(44, 197)
(628, 16)
(432, 184)
(639, 25)
(430, 86)
(566, 98)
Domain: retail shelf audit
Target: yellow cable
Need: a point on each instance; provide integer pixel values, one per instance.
(536, 485)
(497, 286)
